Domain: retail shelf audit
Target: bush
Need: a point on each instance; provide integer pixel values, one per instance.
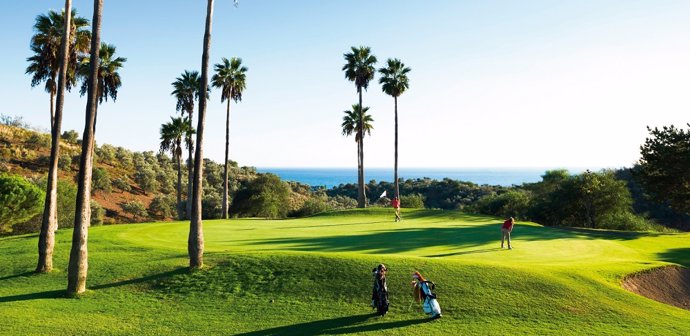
(38, 141)
(266, 196)
(145, 177)
(412, 201)
(313, 206)
(70, 136)
(514, 203)
(135, 208)
(20, 200)
(161, 206)
(122, 184)
(100, 180)
(97, 213)
(65, 162)
(106, 154)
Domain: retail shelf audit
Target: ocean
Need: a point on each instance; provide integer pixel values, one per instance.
(330, 177)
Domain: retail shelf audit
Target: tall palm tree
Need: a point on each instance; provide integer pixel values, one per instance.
(195, 240)
(359, 68)
(186, 90)
(394, 82)
(59, 38)
(78, 258)
(46, 46)
(230, 77)
(351, 124)
(109, 80)
(172, 135)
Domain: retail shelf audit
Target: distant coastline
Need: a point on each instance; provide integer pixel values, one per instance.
(330, 177)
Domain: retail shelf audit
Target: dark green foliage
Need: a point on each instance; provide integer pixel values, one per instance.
(19, 201)
(412, 201)
(266, 196)
(97, 213)
(591, 199)
(66, 201)
(444, 194)
(162, 206)
(514, 203)
(70, 137)
(135, 208)
(648, 206)
(100, 181)
(664, 169)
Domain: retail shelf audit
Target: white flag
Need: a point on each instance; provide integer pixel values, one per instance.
(383, 194)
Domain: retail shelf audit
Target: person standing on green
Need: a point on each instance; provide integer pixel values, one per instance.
(506, 228)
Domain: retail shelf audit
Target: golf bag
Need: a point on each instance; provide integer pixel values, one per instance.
(429, 303)
(379, 296)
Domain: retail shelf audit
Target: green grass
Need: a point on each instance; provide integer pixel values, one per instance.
(312, 277)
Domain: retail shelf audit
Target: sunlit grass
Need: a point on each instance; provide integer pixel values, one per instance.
(312, 277)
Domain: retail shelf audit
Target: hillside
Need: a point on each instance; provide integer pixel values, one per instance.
(312, 277)
(121, 177)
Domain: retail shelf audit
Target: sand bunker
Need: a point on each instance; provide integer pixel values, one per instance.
(670, 285)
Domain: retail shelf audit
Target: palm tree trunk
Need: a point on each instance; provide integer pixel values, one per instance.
(52, 109)
(190, 167)
(361, 197)
(46, 239)
(78, 258)
(180, 211)
(195, 242)
(225, 170)
(395, 174)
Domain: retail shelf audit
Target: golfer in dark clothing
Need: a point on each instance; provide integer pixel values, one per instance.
(506, 228)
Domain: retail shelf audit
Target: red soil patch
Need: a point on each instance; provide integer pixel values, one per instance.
(669, 285)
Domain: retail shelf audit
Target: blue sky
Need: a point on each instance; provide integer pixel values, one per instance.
(493, 83)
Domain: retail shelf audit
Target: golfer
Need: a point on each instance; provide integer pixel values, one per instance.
(395, 203)
(506, 228)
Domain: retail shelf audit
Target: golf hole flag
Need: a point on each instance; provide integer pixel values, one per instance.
(383, 194)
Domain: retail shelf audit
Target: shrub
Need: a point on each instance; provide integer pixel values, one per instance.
(161, 206)
(122, 184)
(266, 196)
(70, 136)
(106, 154)
(97, 213)
(412, 201)
(312, 206)
(100, 180)
(145, 177)
(65, 162)
(514, 203)
(19, 201)
(38, 141)
(135, 208)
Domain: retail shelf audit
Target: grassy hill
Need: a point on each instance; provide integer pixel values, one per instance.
(312, 277)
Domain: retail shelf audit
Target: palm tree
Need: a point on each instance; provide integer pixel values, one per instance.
(172, 134)
(58, 40)
(108, 76)
(230, 77)
(78, 258)
(186, 90)
(359, 68)
(46, 46)
(195, 240)
(351, 124)
(394, 82)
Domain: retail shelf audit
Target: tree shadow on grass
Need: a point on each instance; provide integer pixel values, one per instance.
(458, 236)
(679, 256)
(17, 275)
(57, 294)
(335, 326)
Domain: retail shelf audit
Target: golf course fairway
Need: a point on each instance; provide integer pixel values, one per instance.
(312, 276)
